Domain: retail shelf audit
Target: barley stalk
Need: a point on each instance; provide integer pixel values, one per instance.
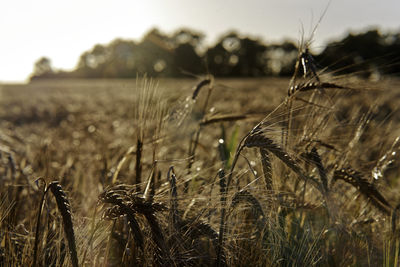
(148, 191)
(121, 163)
(138, 166)
(223, 192)
(394, 219)
(222, 118)
(39, 213)
(195, 141)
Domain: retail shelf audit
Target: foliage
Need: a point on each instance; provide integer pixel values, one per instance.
(184, 52)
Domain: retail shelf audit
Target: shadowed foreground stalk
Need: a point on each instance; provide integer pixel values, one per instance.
(65, 210)
(223, 191)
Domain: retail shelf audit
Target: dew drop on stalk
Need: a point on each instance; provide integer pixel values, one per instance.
(376, 174)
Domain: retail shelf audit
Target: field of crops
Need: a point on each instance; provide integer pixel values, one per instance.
(200, 172)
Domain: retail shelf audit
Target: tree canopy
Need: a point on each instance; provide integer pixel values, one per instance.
(234, 55)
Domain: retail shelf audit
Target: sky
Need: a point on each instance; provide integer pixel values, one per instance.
(63, 30)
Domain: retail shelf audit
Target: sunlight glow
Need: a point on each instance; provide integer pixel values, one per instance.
(63, 31)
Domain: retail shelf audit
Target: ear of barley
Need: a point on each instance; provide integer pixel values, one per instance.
(194, 230)
(258, 140)
(128, 203)
(267, 168)
(111, 197)
(173, 194)
(316, 159)
(147, 210)
(256, 209)
(198, 229)
(198, 87)
(246, 196)
(367, 189)
(302, 87)
(65, 210)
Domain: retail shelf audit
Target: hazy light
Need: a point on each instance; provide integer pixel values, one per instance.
(62, 31)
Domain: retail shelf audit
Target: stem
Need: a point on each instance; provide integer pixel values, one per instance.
(138, 167)
(35, 249)
(223, 190)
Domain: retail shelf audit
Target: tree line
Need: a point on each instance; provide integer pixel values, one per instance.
(184, 52)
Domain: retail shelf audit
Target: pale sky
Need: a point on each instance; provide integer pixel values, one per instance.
(63, 30)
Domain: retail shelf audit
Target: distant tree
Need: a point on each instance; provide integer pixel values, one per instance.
(251, 60)
(185, 36)
(185, 59)
(361, 53)
(120, 59)
(236, 56)
(393, 51)
(187, 46)
(223, 56)
(154, 54)
(217, 60)
(125, 58)
(281, 59)
(182, 52)
(42, 68)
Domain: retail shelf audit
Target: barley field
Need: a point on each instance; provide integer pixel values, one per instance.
(200, 172)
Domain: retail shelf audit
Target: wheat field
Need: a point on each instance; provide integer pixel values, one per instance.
(200, 172)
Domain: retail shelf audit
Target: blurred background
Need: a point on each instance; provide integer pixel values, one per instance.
(121, 39)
